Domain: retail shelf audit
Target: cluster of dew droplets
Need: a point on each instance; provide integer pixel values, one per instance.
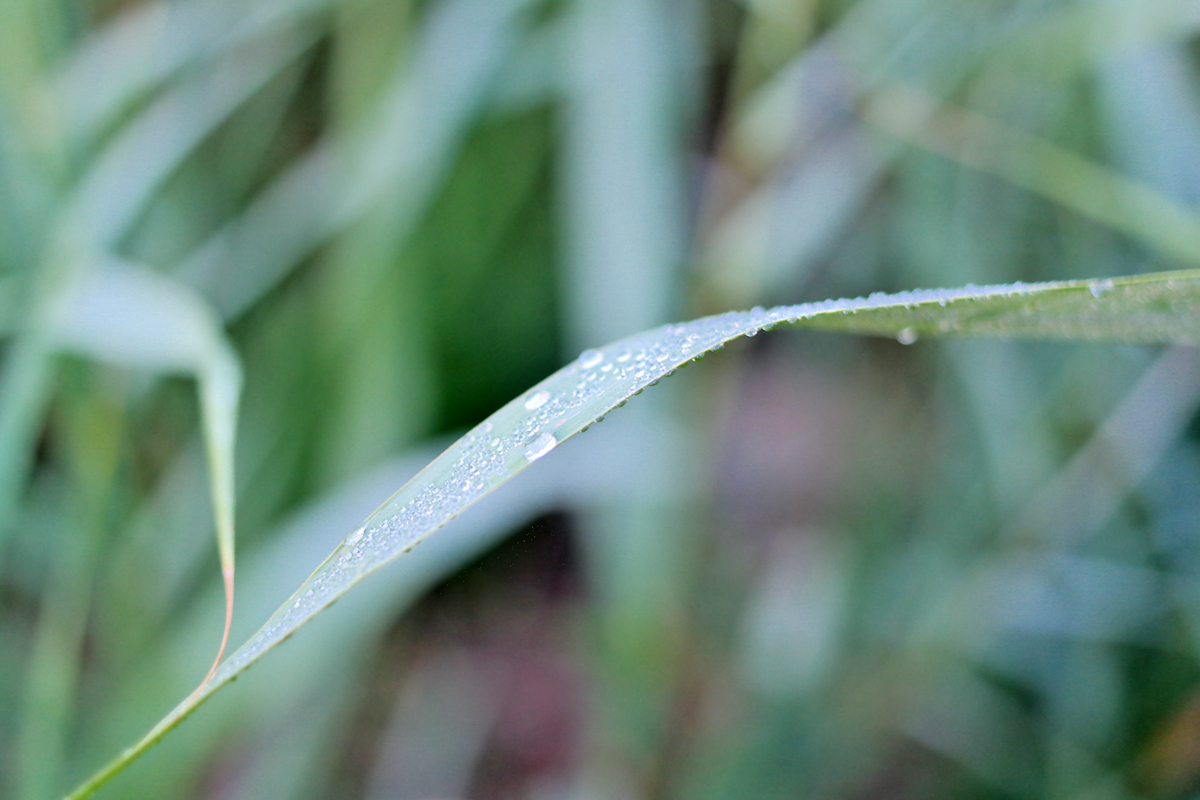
(526, 430)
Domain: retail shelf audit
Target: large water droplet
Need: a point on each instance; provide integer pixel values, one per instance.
(354, 538)
(590, 358)
(543, 444)
(1101, 288)
(536, 400)
(906, 336)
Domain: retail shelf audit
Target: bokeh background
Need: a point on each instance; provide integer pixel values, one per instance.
(811, 567)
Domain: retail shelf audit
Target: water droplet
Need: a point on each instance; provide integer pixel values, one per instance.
(752, 332)
(1101, 288)
(624, 356)
(354, 538)
(590, 358)
(536, 400)
(540, 446)
(906, 336)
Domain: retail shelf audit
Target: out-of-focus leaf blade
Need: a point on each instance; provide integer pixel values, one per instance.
(125, 177)
(1158, 308)
(145, 44)
(1033, 163)
(457, 53)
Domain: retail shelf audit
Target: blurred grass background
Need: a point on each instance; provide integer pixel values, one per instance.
(812, 567)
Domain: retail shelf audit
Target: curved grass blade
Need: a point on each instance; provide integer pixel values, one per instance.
(1159, 308)
(115, 190)
(131, 316)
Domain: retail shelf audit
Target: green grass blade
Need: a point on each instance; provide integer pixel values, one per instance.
(335, 649)
(131, 316)
(1157, 308)
(114, 192)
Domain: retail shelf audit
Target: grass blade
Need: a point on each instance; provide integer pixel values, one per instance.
(132, 316)
(1145, 309)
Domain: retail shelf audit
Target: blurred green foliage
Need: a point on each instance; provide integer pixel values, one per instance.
(811, 567)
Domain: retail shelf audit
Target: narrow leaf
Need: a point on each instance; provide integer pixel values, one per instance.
(128, 315)
(1145, 309)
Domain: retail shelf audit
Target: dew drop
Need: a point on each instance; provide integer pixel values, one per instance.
(543, 444)
(355, 537)
(590, 358)
(1101, 288)
(624, 356)
(906, 336)
(536, 400)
